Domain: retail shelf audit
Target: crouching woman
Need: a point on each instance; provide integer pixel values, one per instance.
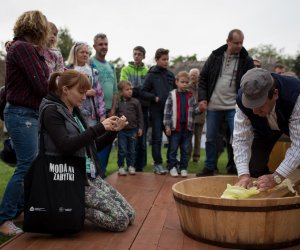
(65, 133)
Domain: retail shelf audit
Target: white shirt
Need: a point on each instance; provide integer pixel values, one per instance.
(243, 137)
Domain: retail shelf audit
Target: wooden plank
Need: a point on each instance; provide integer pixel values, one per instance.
(140, 190)
(156, 226)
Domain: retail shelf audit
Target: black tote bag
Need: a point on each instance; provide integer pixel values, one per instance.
(54, 194)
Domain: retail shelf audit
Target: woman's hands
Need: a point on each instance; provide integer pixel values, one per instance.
(115, 123)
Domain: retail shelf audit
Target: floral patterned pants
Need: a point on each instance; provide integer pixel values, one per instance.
(106, 207)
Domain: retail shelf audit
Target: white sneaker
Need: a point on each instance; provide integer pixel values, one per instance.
(159, 169)
(173, 172)
(131, 170)
(122, 171)
(10, 229)
(183, 173)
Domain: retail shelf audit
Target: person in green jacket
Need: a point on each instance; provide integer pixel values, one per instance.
(135, 72)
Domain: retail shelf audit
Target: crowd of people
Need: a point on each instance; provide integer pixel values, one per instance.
(85, 107)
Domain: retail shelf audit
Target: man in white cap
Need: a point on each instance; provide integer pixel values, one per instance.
(268, 105)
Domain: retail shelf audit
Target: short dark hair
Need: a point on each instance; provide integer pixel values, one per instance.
(99, 35)
(141, 49)
(160, 52)
(279, 66)
(230, 34)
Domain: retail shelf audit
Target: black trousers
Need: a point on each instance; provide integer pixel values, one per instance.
(260, 152)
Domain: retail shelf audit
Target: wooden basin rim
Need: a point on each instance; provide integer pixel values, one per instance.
(237, 208)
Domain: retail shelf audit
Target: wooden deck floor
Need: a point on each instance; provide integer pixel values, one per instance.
(156, 226)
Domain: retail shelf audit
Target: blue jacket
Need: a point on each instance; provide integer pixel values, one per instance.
(159, 82)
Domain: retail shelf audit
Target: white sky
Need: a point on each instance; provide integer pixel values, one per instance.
(184, 27)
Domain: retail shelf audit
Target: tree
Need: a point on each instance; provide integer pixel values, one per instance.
(183, 59)
(65, 42)
(266, 52)
(119, 64)
(296, 67)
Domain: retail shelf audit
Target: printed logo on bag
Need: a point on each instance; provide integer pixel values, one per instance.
(37, 209)
(62, 172)
(62, 209)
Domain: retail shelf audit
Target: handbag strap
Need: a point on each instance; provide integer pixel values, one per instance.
(95, 109)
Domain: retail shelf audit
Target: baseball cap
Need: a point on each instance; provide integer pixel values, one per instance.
(255, 85)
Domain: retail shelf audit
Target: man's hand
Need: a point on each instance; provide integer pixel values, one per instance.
(265, 182)
(244, 181)
(203, 106)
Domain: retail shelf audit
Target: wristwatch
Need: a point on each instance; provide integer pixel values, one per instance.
(277, 178)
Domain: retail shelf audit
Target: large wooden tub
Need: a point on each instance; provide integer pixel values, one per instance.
(247, 224)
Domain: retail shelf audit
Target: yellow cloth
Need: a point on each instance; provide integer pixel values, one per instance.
(235, 192)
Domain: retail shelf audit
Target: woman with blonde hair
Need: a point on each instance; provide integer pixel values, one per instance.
(26, 85)
(93, 108)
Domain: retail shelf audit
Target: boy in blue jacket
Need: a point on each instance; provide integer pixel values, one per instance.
(158, 83)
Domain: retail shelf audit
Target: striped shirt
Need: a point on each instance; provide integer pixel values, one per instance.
(243, 137)
(26, 75)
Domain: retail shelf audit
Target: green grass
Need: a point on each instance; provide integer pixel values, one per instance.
(6, 171)
(192, 168)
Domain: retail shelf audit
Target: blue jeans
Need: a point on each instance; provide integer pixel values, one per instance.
(213, 123)
(126, 147)
(22, 126)
(141, 144)
(157, 130)
(180, 139)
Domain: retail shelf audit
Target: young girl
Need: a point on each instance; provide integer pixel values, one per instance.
(130, 108)
(179, 113)
(52, 54)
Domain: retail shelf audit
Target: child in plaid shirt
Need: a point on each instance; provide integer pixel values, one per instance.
(180, 109)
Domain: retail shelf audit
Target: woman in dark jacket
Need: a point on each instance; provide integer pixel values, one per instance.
(65, 133)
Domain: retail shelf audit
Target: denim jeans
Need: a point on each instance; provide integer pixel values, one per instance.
(126, 147)
(180, 139)
(213, 123)
(157, 130)
(22, 126)
(141, 144)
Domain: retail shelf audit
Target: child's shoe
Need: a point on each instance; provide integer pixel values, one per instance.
(122, 171)
(131, 170)
(173, 172)
(158, 169)
(183, 173)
